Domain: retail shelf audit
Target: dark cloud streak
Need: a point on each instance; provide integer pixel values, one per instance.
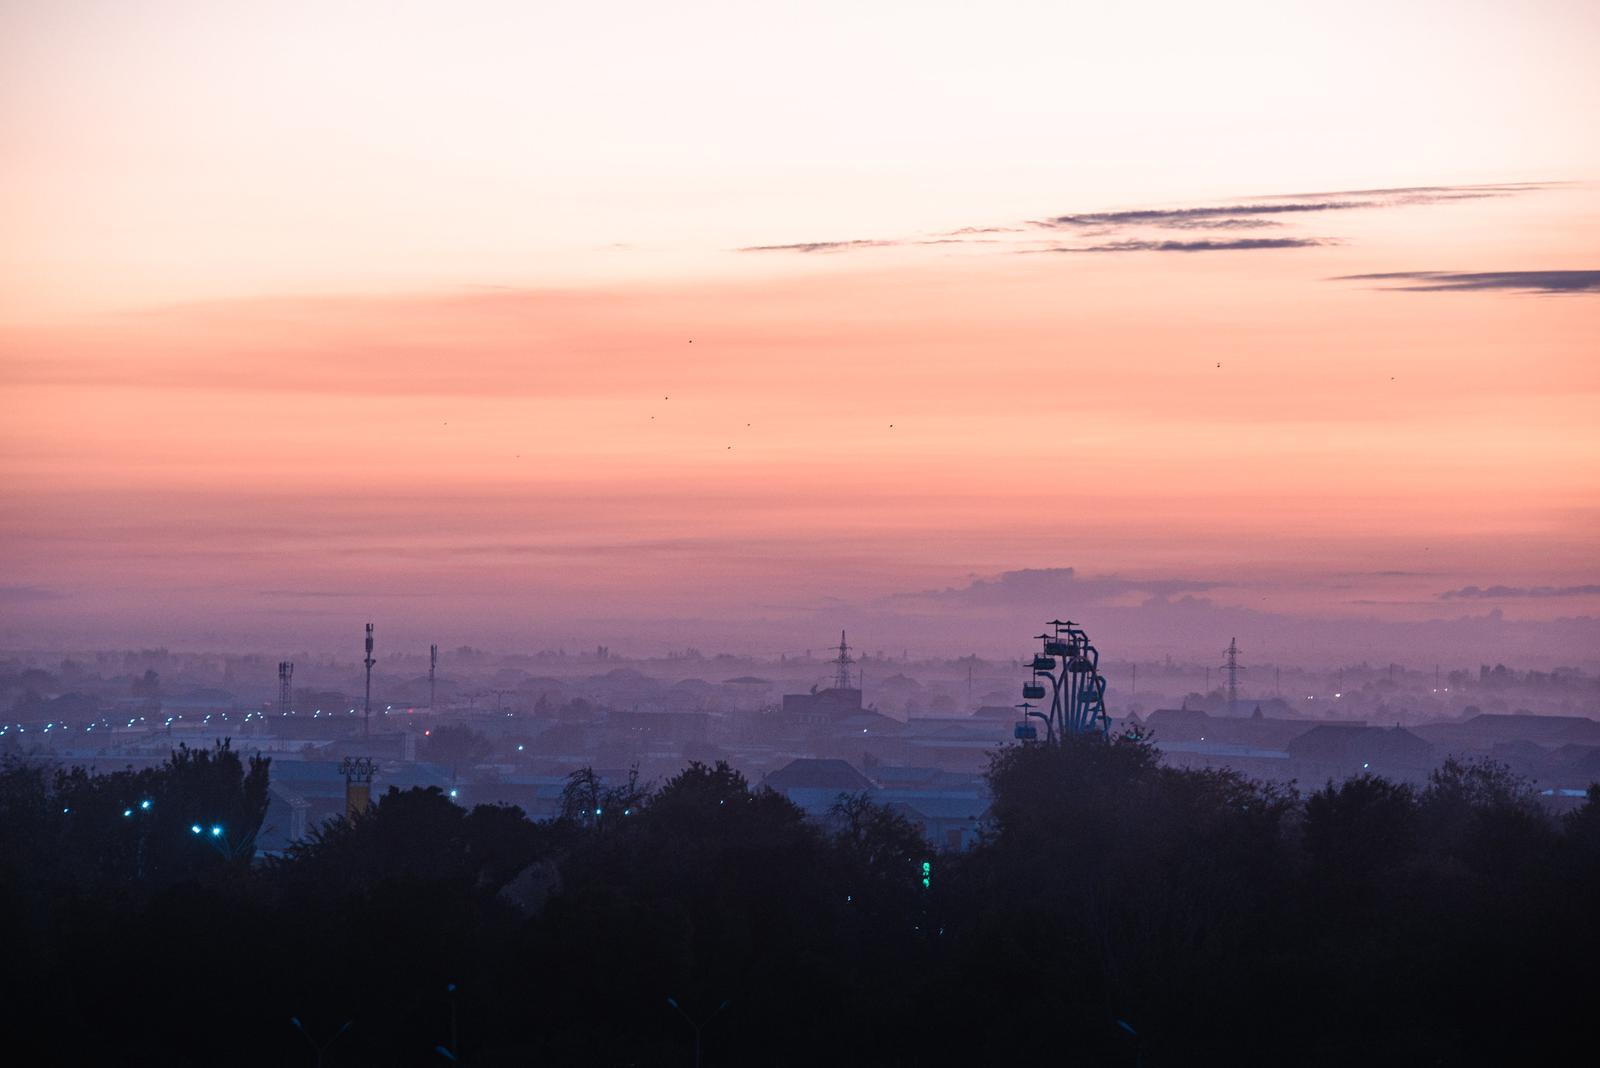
(1243, 244)
(1193, 217)
(1464, 281)
(1508, 592)
(819, 246)
(1249, 214)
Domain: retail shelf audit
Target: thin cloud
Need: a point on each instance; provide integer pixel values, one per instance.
(1220, 224)
(1252, 213)
(1477, 593)
(968, 230)
(1032, 587)
(27, 594)
(1423, 194)
(1464, 281)
(1200, 216)
(1243, 244)
(819, 246)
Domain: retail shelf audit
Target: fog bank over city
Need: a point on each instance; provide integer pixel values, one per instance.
(1544, 627)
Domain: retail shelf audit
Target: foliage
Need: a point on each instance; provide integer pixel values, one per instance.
(1117, 911)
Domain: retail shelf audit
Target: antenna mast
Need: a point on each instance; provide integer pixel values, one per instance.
(366, 714)
(285, 687)
(433, 663)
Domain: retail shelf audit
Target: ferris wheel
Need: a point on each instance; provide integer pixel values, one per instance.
(1069, 665)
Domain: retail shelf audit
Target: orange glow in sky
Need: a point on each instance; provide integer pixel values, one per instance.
(529, 323)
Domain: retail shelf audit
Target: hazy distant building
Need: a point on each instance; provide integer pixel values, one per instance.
(823, 706)
(816, 785)
(1336, 751)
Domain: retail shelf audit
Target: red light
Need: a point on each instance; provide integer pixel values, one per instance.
(426, 734)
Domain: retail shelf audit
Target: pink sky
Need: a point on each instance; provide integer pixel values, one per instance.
(303, 325)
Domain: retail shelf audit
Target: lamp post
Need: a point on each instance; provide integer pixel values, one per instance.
(139, 811)
(216, 837)
(697, 1026)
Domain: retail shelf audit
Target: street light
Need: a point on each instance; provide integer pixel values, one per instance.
(697, 1026)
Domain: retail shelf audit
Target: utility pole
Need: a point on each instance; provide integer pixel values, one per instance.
(285, 686)
(366, 715)
(433, 664)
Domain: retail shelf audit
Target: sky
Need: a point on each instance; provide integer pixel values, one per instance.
(728, 324)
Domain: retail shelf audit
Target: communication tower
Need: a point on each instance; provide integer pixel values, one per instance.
(366, 710)
(285, 686)
(433, 664)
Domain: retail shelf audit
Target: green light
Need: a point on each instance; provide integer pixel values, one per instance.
(927, 874)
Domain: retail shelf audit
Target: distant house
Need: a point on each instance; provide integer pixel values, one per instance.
(1549, 730)
(868, 723)
(945, 806)
(1337, 750)
(815, 785)
(1178, 724)
(996, 712)
(1483, 733)
(949, 822)
(823, 706)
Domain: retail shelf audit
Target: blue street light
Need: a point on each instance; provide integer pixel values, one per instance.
(127, 812)
(216, 830)
(144, 804)
(194, 828)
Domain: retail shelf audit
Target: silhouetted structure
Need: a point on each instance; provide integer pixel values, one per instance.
(366, 714)
(357, 772)
(285, 686)
(433, 665)
(841, 663)
(1071, 665)
(1231, 666)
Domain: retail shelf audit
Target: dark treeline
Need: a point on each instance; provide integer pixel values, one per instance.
(1118, 912)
